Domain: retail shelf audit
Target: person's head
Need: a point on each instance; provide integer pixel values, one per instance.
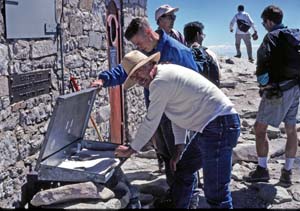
(193, 32)
(140, 34)
(240, 8)
(272, 15)
(165, 17)
(139, 68)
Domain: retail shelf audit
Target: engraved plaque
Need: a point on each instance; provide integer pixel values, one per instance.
(28, 85)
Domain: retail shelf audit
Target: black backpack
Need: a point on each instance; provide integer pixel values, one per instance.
(207, 66)
(286, 58)
(243, 25)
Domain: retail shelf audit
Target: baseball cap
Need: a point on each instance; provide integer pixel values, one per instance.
(164, 9)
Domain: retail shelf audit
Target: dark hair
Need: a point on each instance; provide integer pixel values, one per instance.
(190, 30)
(272, 13)
(241, 8)
(134, 26)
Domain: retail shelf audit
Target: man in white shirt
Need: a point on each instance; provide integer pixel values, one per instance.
(244, 22)
(191, 102)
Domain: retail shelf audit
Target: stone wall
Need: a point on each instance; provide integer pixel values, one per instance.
(24, 124)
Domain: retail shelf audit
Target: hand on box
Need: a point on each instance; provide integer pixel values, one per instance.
(97, 83)
(124, 151)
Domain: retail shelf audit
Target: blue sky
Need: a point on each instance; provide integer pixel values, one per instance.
(217, 14)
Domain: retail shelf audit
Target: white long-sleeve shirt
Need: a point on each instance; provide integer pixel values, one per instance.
(187, 98)
(242, 16)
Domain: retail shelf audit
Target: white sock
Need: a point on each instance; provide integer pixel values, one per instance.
(289, 162)
(262, 162)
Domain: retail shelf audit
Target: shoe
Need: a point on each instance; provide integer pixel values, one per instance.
(251, 60)
(260, 174)
(165, 202)
(237, 56)
(134, 203)
(285, 178)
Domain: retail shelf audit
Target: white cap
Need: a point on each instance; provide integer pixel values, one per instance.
(164, 9)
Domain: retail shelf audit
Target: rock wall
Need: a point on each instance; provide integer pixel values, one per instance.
(23, 125)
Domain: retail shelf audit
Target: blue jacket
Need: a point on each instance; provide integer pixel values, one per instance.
(170, 50)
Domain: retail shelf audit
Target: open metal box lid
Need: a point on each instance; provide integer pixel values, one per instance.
(65, 156)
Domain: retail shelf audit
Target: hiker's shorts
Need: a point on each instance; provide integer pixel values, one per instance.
(284, 109)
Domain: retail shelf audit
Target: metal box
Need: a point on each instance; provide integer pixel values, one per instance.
(30, 19)
(65, 156)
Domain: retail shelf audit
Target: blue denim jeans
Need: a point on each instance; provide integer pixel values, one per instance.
(217, 141)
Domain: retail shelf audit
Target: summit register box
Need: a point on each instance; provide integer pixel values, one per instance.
(65, 156)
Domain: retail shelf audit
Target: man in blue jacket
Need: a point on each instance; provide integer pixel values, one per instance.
(140, 33)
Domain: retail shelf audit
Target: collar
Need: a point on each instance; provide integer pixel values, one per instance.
(161, 42)
(278, 26)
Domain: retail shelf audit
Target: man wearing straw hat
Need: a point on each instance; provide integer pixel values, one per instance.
(191, 102)
(146, 39)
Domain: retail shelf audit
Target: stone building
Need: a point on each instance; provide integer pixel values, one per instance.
(23, 124)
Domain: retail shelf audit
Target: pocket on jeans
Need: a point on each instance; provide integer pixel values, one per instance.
(212, 132)
(232, 135)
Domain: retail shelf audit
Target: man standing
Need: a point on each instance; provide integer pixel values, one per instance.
(165, 18)
(278, 71)
(193, 103)
(205, 58)
(244, 22)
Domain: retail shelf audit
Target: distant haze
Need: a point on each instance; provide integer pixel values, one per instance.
(229, 50)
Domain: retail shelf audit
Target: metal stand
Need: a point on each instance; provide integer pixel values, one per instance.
(59, 33)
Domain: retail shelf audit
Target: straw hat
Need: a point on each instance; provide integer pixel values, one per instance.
(133, 61)
(164, 9)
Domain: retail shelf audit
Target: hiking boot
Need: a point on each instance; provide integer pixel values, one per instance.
(237, 56)
(251, 60)
(285, 178)
(260, 174)
(165, 202)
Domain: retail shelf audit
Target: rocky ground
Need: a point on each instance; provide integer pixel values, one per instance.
(239, 83)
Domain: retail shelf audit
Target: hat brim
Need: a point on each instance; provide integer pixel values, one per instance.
(168, 11)
(128, 82)
(172, 10)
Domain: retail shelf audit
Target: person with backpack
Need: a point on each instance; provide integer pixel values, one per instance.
(277, 71)
(205, 59)
(165, 19)
(244, 23)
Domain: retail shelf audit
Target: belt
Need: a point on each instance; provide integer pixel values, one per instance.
(289, 85)
(227, 119)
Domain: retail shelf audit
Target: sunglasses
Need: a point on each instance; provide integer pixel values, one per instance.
(172, 17)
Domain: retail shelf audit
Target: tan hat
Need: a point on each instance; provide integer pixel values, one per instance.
(164, 9)
(133, 61)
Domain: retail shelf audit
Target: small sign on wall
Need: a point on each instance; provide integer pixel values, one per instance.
(28, 85)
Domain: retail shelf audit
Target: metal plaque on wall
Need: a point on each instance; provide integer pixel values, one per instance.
(28, 85)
